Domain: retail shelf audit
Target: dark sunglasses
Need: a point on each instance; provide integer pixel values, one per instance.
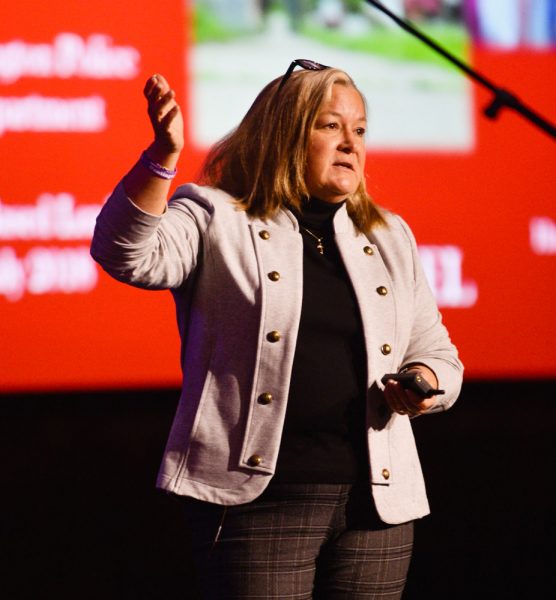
(310, 65)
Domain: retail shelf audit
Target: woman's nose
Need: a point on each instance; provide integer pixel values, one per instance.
(348, 142)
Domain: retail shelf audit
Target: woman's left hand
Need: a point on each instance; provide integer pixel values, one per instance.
(407, 402)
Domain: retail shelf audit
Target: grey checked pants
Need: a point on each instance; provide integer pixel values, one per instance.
(301, 542)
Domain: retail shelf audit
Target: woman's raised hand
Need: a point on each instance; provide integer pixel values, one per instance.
(166, 117)
(146, 188)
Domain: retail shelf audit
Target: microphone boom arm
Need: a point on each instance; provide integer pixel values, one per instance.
(502, 98)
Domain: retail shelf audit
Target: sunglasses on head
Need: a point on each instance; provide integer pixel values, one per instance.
(304, 63)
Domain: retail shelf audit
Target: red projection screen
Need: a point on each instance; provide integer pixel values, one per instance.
(479, 195)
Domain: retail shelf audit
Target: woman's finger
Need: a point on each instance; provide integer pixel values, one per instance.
(149, 85)
(155, 88)
(160, 108)
(168, 119)
(402, 401)
(393, 397)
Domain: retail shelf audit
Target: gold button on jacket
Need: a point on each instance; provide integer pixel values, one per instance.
(368, 250)
(264, 234)
(386, 349)
(274, 276)
(265, 398)
(273, 336)
(382, 290)
(255, 460)
(386, 473)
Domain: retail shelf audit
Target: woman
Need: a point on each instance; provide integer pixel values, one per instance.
(295, 294)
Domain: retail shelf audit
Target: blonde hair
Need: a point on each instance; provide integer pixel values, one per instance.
(262, 162)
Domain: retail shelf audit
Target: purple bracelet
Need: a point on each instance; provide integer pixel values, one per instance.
(157, 169)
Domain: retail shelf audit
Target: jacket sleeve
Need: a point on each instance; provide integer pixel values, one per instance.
(150, 251)
(429, 342)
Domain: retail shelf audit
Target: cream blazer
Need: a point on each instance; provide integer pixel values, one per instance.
(239, 324)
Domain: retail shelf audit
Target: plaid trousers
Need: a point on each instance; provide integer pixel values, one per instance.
(298, 541)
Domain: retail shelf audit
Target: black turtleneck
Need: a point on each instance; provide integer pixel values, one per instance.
(324, 432)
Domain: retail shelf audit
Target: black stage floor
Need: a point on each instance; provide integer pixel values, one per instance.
(81, 518)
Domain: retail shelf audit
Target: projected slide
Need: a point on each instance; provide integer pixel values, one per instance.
(241, 49)
(479, 195)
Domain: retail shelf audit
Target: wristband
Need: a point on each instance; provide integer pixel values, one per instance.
(157, 169)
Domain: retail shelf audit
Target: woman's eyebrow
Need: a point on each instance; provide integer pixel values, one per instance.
(337, 114)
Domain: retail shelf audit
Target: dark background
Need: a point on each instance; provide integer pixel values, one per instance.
(81, 517)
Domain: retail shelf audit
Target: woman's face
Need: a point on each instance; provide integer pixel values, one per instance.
(336, 154)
